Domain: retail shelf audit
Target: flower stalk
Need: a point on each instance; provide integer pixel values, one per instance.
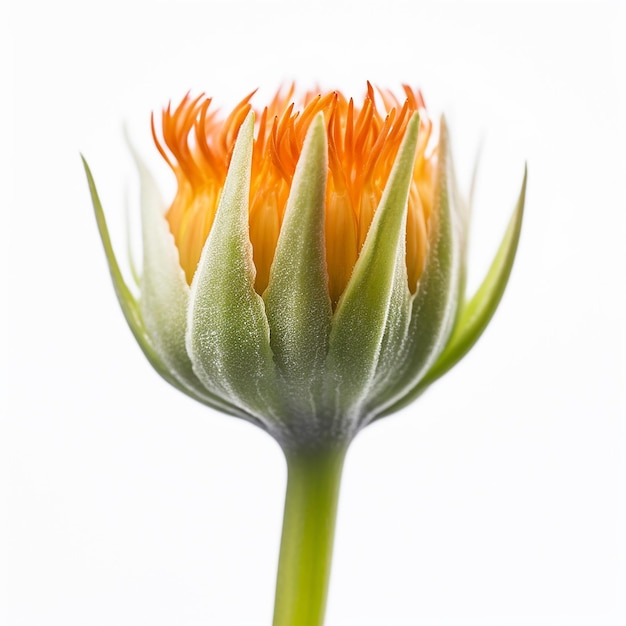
(313, 480)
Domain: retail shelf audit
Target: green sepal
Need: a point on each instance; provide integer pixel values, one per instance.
(228, 337)
(297, 301)
(435, 303)
(395, 343)
(476, 313)
(131, 308)
(164, 293)
(128, 302)
(362, 312)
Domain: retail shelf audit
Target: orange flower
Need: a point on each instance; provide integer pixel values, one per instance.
(363, 142)
(314, 283)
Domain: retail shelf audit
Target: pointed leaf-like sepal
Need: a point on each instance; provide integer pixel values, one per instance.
(128, 302)
(478, 311)
(435, 303)
(164, 292)
(361, 316)
(297, 302)
(227, 330)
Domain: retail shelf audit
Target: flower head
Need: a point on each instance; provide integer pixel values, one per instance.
(308, 275)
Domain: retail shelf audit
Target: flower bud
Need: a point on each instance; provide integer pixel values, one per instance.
(309, 274)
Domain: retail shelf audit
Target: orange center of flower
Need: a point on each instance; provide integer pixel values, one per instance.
(362, 145)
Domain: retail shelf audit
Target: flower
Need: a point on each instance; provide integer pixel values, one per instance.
(308, 275)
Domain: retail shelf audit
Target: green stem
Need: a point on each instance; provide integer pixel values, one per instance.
(306, 547)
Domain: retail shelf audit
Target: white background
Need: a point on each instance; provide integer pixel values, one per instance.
(498, 499)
